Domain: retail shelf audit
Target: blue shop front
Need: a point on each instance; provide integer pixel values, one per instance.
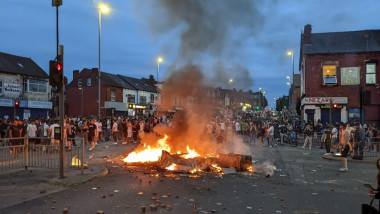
(27, 109)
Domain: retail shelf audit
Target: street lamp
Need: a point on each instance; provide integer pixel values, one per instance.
(290, 53)
(159, 60)
(102, 8)
(81, 106)
(230, 81)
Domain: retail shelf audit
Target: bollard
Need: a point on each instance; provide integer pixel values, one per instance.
(82, 156)
(26, 144)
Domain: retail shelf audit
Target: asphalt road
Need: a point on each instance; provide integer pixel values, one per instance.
(302, 183)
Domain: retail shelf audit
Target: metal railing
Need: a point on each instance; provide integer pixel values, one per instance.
(24, 152)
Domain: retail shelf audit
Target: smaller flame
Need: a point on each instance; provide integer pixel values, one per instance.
(171, 167)
(250, 169)
(217, 168)
(195, 170)
(191, 153)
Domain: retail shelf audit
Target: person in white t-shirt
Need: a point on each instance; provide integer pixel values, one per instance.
(32, 132)
(237, 127)
(51, 134)
(99, 130)
(271, 135)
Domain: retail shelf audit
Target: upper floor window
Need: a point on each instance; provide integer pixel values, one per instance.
(1, 86)
(370, 75)
(113, 96)
(79, 82)
(143, 99)
(37, 86)
(89, 82)
(151, 98)
(131, 98)
(329, 74)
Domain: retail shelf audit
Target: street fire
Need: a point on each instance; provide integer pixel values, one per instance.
(159, 154)
(149, 154)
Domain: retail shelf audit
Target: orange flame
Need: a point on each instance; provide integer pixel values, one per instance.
(217, 168)
(250, 169)
(171, 167)
(149, 154)
(190, 153)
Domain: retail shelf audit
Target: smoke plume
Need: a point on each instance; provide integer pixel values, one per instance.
(209, 30)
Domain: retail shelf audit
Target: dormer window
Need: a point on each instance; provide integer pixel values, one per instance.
(329, 75)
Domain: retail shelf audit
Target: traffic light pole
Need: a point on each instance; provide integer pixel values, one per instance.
(61, 107)
(61, 119)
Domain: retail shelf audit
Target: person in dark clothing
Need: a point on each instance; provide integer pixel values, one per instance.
(91, 134)
(359, 136)
(327, 140)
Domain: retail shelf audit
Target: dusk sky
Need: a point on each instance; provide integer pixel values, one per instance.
(133, 36)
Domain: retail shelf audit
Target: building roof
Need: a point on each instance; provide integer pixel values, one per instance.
(115, 80)
(344, 42)
(20, 65)
(138, 84)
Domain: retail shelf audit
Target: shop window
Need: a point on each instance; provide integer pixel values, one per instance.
(113, 96)
(329, 75)
(37, 86)
(1, 86)
(79, 83)
(370, 75)
(88, 82)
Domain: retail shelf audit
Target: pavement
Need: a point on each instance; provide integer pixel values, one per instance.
(19, 185)
(303, 182)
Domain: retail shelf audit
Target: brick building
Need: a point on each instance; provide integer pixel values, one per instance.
(341, 67)
(117, 92)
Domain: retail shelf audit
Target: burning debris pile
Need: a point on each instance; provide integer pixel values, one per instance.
(189, 162)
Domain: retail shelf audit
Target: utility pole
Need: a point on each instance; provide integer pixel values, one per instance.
(361, 102)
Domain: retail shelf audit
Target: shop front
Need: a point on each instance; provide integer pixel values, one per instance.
(318, 108)
(25, 109)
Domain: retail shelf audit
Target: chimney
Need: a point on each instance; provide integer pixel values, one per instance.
(94, 70)
(75, 74)
(307, 34)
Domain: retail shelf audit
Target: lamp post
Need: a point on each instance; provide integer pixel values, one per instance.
(263, 97)
(288, 83)
(159, 60)
(230, 81)
(81, 106)
(102, 8)
(260, 97)
(290, 53)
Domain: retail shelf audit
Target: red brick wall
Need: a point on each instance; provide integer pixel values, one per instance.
(90, 95)
(314, 82)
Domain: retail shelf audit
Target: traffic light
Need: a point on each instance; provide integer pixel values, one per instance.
(257, 108)
(284, 107)
(55, 73)
(17, 103)
(335, 105)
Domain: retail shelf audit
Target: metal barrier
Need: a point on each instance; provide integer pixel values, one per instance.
(371, 147)
(24, 152)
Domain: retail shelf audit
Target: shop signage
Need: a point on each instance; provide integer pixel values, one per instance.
(350, 76)
(328, 106)
(6, 102)
(12, 89)
(324, 100)
(39, 104)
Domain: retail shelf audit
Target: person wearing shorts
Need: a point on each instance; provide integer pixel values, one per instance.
(91, 134)
(345, 149)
